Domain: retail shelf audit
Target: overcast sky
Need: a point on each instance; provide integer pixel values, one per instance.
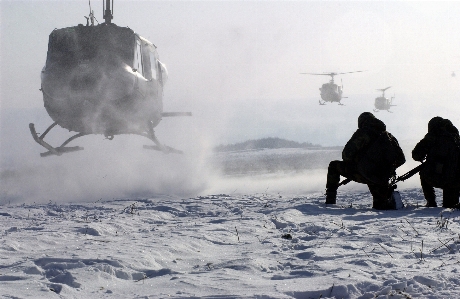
(236, 64)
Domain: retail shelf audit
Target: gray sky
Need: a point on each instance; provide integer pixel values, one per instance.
(236, 64)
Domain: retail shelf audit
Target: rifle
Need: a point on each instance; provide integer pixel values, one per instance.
(344, 182)
(403, 177)
(408, 174)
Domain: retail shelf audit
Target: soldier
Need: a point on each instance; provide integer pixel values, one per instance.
(441, 148)
(364, 161)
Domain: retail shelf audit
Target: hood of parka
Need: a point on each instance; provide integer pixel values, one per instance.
(369, 121)
(436, 125)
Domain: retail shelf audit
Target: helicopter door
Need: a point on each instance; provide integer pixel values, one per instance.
(153, 66)
(137, 64)
(163, 73)
(152, 72)
(140, 67)
(153, 86)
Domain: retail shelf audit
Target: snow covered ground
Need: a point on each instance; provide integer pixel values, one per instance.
(259, 230)
(235, 245)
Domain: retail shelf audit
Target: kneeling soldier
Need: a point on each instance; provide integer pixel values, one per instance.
(441, 149)
(370, 157)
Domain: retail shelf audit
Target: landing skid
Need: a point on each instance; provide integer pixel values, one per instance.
(158, 146)
(58, 151)
(324, 103)
(386, 110)
(54, 150)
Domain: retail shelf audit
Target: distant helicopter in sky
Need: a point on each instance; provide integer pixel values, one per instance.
(453, 74)
(331, 92)
(102, 79)
(383, 103)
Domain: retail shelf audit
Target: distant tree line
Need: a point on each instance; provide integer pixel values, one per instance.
(271, 143)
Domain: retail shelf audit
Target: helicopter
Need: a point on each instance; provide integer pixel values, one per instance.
(331, 92)
(383, 103)
(102, 79)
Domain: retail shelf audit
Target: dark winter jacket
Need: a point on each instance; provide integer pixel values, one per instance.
(369, 128)
(440, 147)
(437, 126)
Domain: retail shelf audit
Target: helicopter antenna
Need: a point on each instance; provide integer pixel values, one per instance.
(91, 16)
(108, 11)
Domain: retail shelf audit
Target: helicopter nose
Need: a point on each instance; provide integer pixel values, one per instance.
(82, 82)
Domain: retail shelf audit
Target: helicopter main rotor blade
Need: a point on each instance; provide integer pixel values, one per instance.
(332, 74)
(322, 74)
(350, 72)
(383, 89)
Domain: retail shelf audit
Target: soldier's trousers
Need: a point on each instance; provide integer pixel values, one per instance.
(336, 169)
(450, 195)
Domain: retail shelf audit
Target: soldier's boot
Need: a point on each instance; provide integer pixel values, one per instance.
(430, 196)
(431, 203)
(381, 197)
(449, 198)
(331, 197)
(383, 204)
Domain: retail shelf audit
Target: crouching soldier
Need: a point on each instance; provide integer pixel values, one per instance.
(370, 157)
(441, 149)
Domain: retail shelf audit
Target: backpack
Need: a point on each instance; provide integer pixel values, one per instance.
(381, 158)
(442, 167)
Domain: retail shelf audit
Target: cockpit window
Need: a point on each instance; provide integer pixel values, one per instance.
(74, 45)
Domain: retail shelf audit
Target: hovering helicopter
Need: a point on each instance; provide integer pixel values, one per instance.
(102, 79)
(331, 92)
(382, 103)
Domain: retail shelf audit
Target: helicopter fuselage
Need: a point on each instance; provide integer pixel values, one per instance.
(102, 79)
(382, 103)
(331, 92)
